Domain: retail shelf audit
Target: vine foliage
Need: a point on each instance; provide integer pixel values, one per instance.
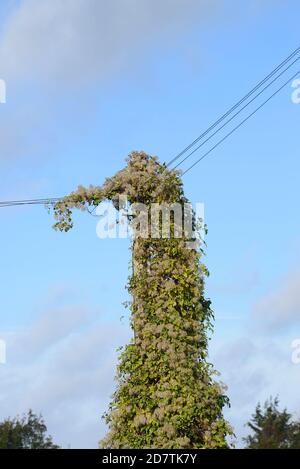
(167, 395)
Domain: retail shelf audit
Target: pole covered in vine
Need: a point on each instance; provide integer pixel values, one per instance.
(167, 395)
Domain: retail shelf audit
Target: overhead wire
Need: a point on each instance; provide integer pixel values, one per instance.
(233, 108)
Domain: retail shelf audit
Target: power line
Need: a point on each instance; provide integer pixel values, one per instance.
(248, 95)
(10, 203)
(53, 200)
(236, 114)
(241, 123)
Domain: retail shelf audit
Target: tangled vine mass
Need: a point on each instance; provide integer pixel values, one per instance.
(167, 395)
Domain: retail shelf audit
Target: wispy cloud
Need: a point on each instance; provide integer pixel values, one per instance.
(63, 365)
(279, 309)
(254, 369)
(74, 41)
(57, 51)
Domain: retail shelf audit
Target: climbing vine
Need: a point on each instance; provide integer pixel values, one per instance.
(167, 395)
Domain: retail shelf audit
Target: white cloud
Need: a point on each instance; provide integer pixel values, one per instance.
(254, 369)
(63, 366)
(280, 308)
(259, 363)
(75, 41)
(57, 51)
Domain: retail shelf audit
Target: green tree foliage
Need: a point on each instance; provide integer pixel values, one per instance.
(272, 428)
(167, 396)
(26, 432)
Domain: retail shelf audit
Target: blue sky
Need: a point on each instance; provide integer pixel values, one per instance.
(87, 83)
